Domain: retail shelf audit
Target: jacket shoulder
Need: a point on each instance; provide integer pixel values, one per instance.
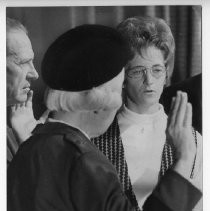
(59, 134)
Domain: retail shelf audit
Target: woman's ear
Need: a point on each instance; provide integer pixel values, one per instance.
(124, 91)
(167, 82)
(124, 83)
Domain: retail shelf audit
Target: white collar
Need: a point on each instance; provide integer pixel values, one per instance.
(144, 118)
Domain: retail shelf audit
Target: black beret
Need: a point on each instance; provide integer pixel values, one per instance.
(84, 57)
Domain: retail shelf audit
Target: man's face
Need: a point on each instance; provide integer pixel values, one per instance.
(20, 68)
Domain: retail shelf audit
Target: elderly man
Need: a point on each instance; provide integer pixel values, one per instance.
(20, 73)
(58, 168)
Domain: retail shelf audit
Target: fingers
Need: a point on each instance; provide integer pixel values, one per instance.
(181, 109)
(175, 108)
(13, 108)
(44, 116)
(29, 99)
(22, 105)
(188, 116)
(17, 106)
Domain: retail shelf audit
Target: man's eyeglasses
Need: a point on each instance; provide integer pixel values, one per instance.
(140, 71)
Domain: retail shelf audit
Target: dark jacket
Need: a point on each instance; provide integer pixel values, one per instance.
(12, 145)
(59, 169)
(193, 87)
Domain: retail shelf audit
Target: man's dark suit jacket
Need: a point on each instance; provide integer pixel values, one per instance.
(193, 87)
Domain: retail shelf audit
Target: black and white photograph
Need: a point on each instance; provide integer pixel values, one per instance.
(104, 107)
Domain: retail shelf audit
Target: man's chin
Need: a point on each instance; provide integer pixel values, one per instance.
(17, 100)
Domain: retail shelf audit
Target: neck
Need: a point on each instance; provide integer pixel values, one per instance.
(143, 108)
(93, 124)
(72, 118)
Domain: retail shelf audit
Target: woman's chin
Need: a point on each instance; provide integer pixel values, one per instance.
(150, 101)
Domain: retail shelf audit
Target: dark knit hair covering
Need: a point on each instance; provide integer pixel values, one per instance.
(142, 32)
(84, 57)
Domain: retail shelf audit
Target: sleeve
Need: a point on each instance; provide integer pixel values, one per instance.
(198, 169)
(12, 145)
(197, 179)
(95, 186)
(173, 193)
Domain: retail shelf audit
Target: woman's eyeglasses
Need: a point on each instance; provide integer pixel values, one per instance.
(140, 71)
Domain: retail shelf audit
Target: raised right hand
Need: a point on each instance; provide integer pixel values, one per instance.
(179, 132)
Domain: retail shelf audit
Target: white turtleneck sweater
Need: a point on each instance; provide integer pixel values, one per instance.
(143, 137)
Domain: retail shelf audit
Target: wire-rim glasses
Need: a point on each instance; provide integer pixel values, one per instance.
(140, 71)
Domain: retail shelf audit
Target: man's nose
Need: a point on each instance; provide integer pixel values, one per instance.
(32, 74)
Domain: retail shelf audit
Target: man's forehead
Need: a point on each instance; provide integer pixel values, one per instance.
(19, 45)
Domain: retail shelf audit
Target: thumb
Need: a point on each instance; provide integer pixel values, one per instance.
(44, 116)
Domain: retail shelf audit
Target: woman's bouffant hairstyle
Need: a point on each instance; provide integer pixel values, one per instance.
(142, 32)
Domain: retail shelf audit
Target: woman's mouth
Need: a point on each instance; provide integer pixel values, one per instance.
(149, 91)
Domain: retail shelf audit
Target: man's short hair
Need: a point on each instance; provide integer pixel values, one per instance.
(13, 24)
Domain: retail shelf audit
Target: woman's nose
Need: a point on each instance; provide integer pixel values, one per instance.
(148, 77)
